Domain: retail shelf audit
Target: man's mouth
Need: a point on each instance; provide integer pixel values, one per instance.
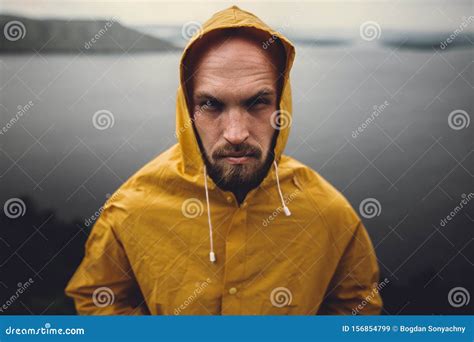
(237, 154)
(237, 160)
(237, 157)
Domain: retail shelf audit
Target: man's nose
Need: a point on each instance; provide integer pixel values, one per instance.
(236, 131)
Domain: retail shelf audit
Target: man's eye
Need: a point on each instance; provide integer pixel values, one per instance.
(258, 102)
(262, 100)
(210, 105)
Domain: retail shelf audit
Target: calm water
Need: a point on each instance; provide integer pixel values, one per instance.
(408, 158)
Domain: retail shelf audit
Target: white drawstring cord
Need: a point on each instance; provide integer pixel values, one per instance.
(212, 255)
(285, 208)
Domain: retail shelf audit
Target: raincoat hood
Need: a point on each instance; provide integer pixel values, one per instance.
(232, 17)
(169, 241)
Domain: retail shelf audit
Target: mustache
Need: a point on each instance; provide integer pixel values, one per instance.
(243, 149)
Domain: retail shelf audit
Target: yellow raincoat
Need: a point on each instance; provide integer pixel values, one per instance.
(148, 253)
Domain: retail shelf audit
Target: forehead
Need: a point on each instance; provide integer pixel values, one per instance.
(232, 65)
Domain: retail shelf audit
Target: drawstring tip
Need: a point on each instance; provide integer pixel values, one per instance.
(212, 256)
(287, 211)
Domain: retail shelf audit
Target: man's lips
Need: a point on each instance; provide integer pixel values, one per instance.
(237, 158)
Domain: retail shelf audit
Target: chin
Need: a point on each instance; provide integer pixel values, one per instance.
(233, 175)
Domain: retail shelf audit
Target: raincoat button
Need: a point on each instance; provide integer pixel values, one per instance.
(229, 199)
(232, 290)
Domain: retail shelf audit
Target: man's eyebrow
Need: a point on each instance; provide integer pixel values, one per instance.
(265, 92)
(261, 93)
(205, 96)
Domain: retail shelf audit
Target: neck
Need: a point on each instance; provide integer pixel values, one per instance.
(240, 195)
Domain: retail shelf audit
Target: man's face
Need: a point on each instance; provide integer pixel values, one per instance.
(234, 95)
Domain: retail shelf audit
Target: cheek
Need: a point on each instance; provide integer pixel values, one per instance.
(262, 130)
(209, 131)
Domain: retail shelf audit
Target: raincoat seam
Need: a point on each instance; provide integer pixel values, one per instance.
(321, 214)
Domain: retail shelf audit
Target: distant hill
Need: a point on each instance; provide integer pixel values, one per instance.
(428, 41)
(20, 34)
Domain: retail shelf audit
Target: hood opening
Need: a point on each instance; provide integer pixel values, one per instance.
(192, 161)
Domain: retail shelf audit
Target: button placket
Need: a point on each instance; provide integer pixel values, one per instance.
(235, 263)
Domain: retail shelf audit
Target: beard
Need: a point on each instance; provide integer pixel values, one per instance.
(239, 178)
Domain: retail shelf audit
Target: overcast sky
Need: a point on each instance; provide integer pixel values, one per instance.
(417, 15)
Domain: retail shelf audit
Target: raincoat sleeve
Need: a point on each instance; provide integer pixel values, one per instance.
(104, 283)
(354, 288)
